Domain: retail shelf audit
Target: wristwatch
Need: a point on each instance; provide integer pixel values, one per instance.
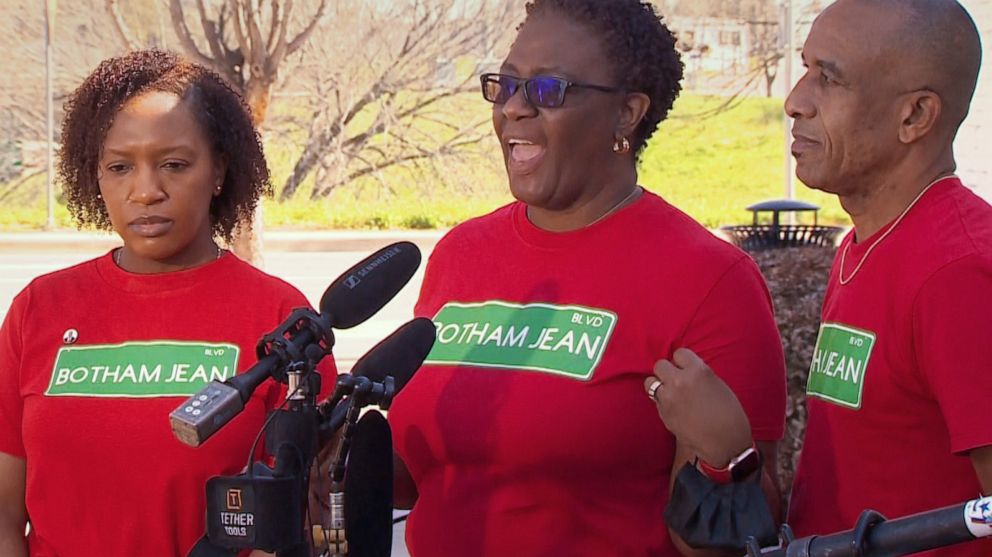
(740, 467)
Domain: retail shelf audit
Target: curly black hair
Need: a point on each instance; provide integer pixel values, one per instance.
(637, 43)
(220, 111)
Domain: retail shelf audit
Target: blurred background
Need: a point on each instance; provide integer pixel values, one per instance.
(370, 112)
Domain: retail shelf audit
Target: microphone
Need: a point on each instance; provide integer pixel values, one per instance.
(363, 289)
(368, 489)
(359, 521)
(352, 298)
(398, 356)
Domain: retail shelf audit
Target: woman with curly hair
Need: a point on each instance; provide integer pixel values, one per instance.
(528, 433)
(93, 358)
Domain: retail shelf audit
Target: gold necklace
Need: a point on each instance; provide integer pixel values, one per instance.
(615, 208)
(847, 248)
(117, 255)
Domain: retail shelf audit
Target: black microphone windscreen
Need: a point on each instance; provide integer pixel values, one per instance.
(400, 354)
(363, 289)
(368, 489)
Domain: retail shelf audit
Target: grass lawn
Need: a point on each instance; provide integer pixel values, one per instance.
(711, 167)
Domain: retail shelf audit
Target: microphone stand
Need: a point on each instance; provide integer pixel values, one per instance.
(292, 438)
(265, 508)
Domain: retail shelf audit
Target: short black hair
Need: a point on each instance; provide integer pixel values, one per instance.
(220, 111)
(639, 45)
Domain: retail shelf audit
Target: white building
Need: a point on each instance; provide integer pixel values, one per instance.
(972, 146)
(711, 44)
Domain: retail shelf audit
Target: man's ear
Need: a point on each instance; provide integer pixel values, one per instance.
(920, 113)
(632, 112)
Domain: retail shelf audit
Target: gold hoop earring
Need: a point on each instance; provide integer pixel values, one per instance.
(621, 146)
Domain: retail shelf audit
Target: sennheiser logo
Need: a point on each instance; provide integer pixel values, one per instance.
(352, 281)
(234, 502)
(386, 256)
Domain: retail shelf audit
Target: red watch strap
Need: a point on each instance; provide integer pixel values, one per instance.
(739, 467)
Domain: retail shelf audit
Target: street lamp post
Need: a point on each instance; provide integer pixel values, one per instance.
(50, 7)
(787, 50)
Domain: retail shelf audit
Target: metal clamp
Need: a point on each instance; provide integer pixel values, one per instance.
(867, 520)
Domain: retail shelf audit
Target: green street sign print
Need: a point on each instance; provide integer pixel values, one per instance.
(840, 363)
(564, 340)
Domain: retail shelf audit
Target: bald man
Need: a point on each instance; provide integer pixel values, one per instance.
(900, 386)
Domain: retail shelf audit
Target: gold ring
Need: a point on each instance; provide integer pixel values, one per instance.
(653, 389)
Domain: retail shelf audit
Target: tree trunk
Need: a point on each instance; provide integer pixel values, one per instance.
(257, 95)
(305, 164)
(315, 147)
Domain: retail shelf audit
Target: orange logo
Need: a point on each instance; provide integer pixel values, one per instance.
(234, 500)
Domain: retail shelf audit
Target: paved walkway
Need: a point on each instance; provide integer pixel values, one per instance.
(273, 240)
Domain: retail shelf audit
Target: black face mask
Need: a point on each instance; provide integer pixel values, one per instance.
(706, 514)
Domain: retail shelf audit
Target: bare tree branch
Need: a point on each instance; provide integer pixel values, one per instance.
(121, 28)
(277, 54)
(304, 35)
(256, 46)
(239, 28)
(184, 35)
(371, 168)
(420, 59)
(210, 32)
(273, 29)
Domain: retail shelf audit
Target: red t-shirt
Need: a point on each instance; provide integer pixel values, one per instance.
(528, 431)
(92, 361)
(900, 383)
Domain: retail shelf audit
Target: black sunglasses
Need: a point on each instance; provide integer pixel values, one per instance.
(543, 91)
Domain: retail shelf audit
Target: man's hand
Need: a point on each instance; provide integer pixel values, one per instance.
(699, 408)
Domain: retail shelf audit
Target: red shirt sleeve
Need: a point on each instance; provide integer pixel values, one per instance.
(734, 332)
(952, 335)
(11, 403)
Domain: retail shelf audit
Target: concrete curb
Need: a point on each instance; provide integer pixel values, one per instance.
(274, 240)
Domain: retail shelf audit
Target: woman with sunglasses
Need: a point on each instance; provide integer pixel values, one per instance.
(528, 432)
(93, 358)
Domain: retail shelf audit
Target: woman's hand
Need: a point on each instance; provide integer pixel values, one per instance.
(699, 408)
(13, 513)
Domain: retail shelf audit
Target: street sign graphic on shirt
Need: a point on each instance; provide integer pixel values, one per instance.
(840, 362)
(141, 369)
(559, 339)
